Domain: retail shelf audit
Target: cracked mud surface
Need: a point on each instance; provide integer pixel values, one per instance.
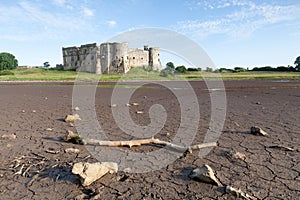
(265, 173)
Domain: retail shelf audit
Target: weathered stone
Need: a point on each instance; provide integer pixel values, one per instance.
(72, 150)
(236, 155)
(238, 193)
(9, 137)
(72, 118)
(205, 174)
(258, 131)
(72, 137)
(90, 172)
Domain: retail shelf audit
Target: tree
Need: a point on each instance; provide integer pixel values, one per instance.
(170, 65)
(7, 61)
(46, 64)
(181, 69)
(297, 63)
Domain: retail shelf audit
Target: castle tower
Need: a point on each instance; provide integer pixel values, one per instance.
(154, 58)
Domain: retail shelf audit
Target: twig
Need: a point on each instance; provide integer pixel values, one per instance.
(33, 179)
(20, 171)
(132, 143)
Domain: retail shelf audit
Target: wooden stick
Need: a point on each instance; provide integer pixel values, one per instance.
(132, 143)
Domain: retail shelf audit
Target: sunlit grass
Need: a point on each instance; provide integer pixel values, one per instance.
(138, 74)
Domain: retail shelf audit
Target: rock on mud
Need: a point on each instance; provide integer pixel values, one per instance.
(90, 172)
(205, 174)
(72, 118)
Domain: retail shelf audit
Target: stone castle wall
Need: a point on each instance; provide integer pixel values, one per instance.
(109, 58)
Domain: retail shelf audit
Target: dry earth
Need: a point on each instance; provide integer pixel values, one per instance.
(34, 113)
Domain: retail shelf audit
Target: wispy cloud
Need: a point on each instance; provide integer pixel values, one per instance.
(88, 12)
(241, 19)
(33, 21)
(111, 23)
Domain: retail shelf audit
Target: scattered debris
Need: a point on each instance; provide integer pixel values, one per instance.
(71, 124)
(113, 105)
(281, 147)
(258, 131)
(236, 155)
(76, 108)
(46, 98)
(9, 145)
(52, 151)
(72, 118)
(90, 172)
(236, 124)
(49, 129)
(128, 105)
(134, 104)
(205, 174)
(34, 111)
(139, 112)
(23, 111)
(9, 137)
(238, 193)
(72, 137)
(72, 150)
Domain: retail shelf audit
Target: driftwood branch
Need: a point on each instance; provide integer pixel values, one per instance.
(139, 142)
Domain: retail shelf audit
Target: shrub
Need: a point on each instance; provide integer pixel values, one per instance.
(6, 72)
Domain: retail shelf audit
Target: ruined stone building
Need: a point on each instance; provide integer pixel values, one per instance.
(109, 58)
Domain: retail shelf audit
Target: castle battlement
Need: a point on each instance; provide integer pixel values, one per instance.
(109, 58)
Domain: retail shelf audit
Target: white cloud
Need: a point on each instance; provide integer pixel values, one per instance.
(59, 2)
(111, 23)
(242, 19)
(88, 12)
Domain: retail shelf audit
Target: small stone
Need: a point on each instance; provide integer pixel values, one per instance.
(34, 111)
(72, 118)
(128, 105)
(238, 193)
(72, 150)
(9, 137)
(113, 105)
(23, 111)
(76, 108)
(258, 131)
(168, 134)
(237, 155)
(72, 137)
(139, 112)
(9, 145)
(46, 98)
(135, 104)
(90, 172)
(71, 124)
(205, 174)
(49, 129)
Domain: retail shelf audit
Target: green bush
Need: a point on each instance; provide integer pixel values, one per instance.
(6, 72)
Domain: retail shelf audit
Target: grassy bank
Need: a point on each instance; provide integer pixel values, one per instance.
(138, 74)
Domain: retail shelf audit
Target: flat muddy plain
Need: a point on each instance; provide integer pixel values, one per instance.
(34, 164)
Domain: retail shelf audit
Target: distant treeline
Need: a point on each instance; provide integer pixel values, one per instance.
(261, 69)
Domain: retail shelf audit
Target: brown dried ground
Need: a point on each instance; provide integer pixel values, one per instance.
(28, 110)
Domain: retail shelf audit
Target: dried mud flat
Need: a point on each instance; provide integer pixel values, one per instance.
(32, 119)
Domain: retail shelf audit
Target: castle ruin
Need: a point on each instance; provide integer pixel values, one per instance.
(109, 58)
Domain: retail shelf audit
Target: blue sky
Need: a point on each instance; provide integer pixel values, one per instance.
(244, 33)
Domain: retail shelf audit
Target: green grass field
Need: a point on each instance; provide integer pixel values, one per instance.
(138, 74)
